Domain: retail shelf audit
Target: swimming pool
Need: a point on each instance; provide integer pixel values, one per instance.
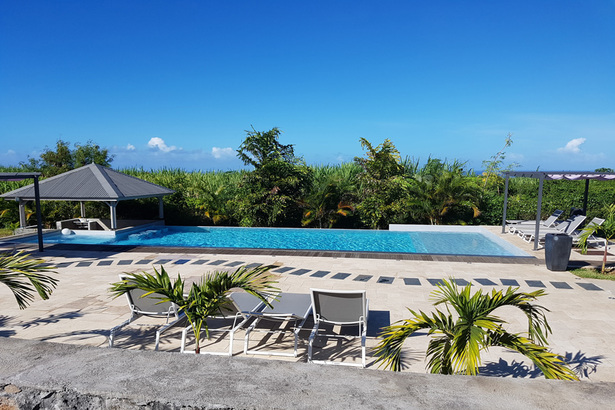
(422, 239)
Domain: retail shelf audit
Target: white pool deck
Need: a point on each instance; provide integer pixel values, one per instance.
(80, 311)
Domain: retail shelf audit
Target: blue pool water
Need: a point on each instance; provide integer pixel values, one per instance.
(430, 242)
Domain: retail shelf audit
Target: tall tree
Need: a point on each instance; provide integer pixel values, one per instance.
(273, 189)
(383, 185)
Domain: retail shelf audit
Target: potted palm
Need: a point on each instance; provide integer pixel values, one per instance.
(204, 299)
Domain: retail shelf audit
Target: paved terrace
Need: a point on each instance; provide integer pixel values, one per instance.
(80, 311)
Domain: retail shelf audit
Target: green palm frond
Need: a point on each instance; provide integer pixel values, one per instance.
(458, 339)
(24, 276)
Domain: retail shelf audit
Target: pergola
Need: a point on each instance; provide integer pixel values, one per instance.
(552, 175)
(19, 176)
(91, 182)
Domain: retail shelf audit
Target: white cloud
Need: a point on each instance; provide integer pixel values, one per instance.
(131, 147)
(11, 152)
(159, 143)
(222, 152)
(573, 146)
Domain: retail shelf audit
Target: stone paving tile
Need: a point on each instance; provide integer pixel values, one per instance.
(509, 282)
(124, 262)
(340, 276)
(561, 285)
(535, 284)
(84, 264)
(217, 262)
(199, 261)
(105, 263)
(181, 261)
(435, 282)
(485, 282)
(363, 278)
(588, 286)
(63, 264)
(320, 273)
(234, 263)
(461, 282)
(283, 269)
(144, 262)
(386, 280)
(299, 272)
(412, 281)
(253, 265)
(162, 261)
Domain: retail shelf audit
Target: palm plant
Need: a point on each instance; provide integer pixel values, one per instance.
(204, 299)
(457, 342)
(608, 231)
(24, 276)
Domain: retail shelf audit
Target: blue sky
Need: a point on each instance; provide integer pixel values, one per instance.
(176, 83)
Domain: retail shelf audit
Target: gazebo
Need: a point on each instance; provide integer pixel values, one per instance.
(552, 175)
(91, 182)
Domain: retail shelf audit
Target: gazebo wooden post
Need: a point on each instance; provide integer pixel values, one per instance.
(160, 208)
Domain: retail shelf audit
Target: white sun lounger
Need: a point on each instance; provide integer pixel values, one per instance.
(575, 222)
(241, 305)
(290, 308)
(517, 225)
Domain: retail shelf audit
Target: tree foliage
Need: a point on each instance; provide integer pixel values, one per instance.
(607, 230)
(54, 162)
(272, 191)
(458, 340)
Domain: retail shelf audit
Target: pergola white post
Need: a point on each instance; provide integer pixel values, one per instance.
(160, 208)
(82, 205)
(112, 208)
(22, 213)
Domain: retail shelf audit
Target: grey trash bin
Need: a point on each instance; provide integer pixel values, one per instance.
(557, 251)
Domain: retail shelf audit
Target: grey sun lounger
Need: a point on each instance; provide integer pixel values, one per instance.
(515, 226)
(339, 308)
(241, 306)
(574, 223)
(150, 306)
(290, 308)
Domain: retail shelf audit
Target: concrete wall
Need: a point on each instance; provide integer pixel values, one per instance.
(61, 376)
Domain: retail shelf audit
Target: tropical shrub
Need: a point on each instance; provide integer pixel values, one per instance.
(458, 340)
(25, 275)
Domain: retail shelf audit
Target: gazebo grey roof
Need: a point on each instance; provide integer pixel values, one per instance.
(92, 182)
(552, 175)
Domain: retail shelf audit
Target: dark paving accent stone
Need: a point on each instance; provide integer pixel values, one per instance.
(253, 265)
(104, 263)
(234, 263)
(181, 261)
(162, 261)
(340, 276)
(199, 262)
(535, 284)
(284, 269)
(386, 279)
(84, 264)
(300, 272)
(461, 282)
(125, 262)
(435, 282)
(144, 261)
(320, 273)
(218, 262)
(561, 285)
(412, 281)
(509, 282)
(363, 278)
(63, 264)
(588, 286)
(485, 282)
